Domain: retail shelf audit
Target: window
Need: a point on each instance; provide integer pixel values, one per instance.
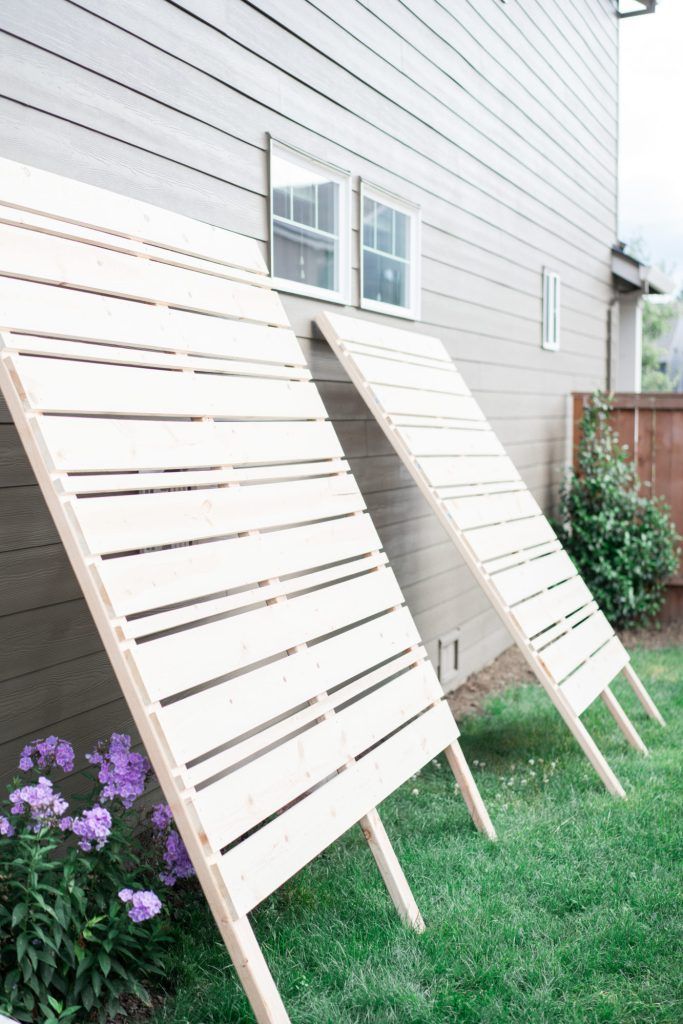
(390, 253)
(309, 231)
(551, 310)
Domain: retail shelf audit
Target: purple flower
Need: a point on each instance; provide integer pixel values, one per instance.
(123, 773)
(44, 806)
(144, 904)
(93, 826)
(45, 754)
(161, 817)
(176, 859)
(6, 827)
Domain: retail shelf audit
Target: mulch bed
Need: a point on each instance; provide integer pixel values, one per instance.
(510, 668)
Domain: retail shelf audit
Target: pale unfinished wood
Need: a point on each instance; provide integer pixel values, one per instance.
(68, 386)
(116, 445)
(32, 189)
(36, 256)
(136, 583)
(481, 502)
(85, 316)
(220, 540)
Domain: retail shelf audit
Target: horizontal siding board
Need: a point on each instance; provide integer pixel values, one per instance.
(42, 698)
(472, 100)
(34, 577)
(218, 55)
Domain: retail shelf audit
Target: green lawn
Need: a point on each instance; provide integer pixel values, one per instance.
(573, 917)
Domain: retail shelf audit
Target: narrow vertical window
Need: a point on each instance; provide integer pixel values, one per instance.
(309, 214)
(551, 310)
(390, 253)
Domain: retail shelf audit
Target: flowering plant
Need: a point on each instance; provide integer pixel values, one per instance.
(80, 924)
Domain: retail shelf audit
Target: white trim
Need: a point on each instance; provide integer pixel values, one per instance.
(343, 179)
(550, 329)
(381, 195)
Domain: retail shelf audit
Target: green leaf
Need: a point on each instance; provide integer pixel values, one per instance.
(105, 962)
(19, 913)
(22, 946)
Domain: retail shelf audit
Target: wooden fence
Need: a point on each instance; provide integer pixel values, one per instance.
(652, 427)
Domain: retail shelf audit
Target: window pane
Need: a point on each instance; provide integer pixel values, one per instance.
(369, 212)
(306, 240)
(385, 279)
(328, 206)
(401, 234)
(303, 206)
(385, 228)
(281, 202)
(304, 256)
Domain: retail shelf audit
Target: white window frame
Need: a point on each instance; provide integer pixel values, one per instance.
(343, 179)
(381, 195)
(550, 339)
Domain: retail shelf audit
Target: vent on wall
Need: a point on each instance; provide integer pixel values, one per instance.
(449, 659)
(551, 310)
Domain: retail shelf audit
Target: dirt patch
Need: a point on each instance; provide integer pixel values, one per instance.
(136, 1012)
(668, 635)
(511, 669)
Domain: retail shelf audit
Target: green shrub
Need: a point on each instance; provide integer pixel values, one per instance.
(624, 544)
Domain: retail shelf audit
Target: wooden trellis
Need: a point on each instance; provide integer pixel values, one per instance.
(424, 407)
(273, 670)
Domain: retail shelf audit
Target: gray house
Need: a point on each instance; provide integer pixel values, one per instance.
(450, 163)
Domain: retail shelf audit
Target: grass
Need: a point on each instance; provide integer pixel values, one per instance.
(572, 917)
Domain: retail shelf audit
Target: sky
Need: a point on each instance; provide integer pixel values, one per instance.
(651, 134)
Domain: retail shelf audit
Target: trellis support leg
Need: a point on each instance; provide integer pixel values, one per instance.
(469, 789)
(622, 720)
(253, 971)
(391, 870)
(643, 696)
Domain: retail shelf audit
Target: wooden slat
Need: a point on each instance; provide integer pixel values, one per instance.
(177, 662)
(116, 445)
(377, 334)
(547, 636)
(497, 565)
(130, 246)
(570, 650)
(128, 522)
(202, 721)
(247, 796)
(430, 441)
(404, 401)
(518, 535)
(32, 189)
(466, 469)
(321, 707)
(525, 580)
(260, 864)
(65, 386)
(35, 256)
(502, 507)
(135, 583)
(581, 688)
(29, 344)
(159, 480)
(59, 312)
(552, 605)
(163, 621)
(410, 375)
